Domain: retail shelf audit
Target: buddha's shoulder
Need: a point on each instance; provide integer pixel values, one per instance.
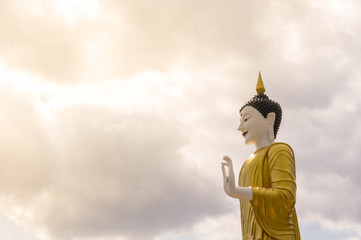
(279, 147)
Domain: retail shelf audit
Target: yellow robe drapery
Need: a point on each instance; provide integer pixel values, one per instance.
(271, 214)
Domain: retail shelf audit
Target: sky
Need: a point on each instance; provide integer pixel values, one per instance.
(115, 115)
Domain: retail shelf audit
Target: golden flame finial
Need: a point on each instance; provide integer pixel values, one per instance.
(260, 87)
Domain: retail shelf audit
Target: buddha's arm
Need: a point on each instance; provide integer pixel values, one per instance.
(229, 182)
(245, 193)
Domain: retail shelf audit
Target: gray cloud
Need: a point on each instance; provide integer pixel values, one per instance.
(102, 173)
(130, 36)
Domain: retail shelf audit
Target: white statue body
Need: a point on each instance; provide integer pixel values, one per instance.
(257, 131)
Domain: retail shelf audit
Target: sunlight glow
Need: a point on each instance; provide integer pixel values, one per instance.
(74, 9)
(146, 90)
(21, 213)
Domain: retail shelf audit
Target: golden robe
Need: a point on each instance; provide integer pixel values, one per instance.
(271, 214)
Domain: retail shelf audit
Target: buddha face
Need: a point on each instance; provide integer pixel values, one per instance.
(254, 127)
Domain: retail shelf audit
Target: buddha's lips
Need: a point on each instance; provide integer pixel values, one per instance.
(244, 133)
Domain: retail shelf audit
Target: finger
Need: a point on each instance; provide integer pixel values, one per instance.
(230, 165)
(224, 171)
(224, 164)
(227, 159)
(229, 162)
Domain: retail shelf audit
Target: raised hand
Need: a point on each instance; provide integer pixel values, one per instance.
(229, 182)
(228, 175)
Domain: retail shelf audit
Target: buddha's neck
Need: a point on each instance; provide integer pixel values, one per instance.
(264, 142)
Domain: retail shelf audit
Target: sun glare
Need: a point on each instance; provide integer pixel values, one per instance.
(75, 9)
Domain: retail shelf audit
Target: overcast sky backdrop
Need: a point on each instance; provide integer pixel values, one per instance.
(115, 114)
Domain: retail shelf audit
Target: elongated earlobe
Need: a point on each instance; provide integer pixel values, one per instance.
(271, 117)
(271, 133)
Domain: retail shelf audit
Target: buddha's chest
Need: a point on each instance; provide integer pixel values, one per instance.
(255, 172)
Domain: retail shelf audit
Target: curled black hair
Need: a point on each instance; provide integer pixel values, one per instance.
(264, 105)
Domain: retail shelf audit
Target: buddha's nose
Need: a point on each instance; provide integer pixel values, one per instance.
(240, 127)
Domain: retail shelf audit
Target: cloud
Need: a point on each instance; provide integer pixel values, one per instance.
(116, 114)
(93, 171)
(24, 144)
(58, 41)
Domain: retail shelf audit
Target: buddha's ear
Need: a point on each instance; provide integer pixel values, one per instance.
(271, 118)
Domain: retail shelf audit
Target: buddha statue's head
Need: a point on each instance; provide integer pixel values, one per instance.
(260, 118)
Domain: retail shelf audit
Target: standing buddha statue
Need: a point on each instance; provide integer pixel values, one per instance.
(267, 180)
